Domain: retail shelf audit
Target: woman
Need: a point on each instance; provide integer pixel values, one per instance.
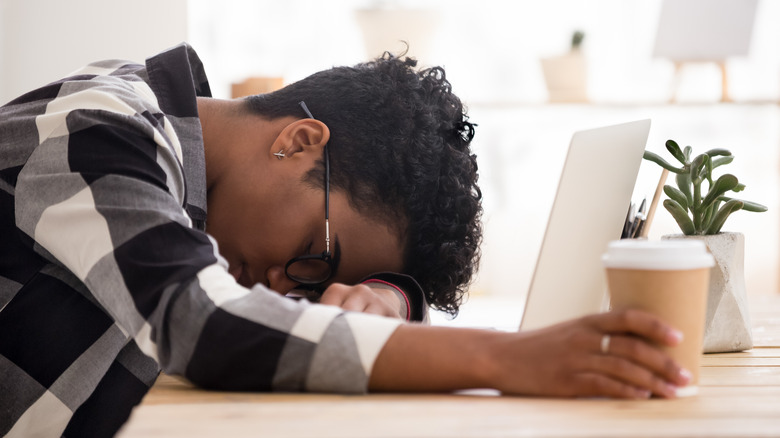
(150, 227)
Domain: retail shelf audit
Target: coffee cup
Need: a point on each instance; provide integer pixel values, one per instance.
(670, 279)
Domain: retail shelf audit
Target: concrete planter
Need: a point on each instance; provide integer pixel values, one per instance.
(727, 326)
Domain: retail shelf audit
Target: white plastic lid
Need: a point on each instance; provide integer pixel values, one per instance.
(666, 255)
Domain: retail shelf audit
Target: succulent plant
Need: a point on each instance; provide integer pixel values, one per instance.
(699, 213)
(576, 39)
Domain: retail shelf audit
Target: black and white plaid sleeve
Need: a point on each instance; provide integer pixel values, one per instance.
(106, 278)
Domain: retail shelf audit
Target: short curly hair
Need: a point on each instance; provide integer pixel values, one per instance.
(400, 150)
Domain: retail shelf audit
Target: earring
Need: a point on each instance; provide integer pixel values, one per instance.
(279, 155)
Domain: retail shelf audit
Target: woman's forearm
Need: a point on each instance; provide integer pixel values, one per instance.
(566, 359)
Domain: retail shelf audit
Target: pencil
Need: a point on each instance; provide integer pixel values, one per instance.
(654, 204)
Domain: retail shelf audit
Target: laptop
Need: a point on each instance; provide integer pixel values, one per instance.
(588, 212)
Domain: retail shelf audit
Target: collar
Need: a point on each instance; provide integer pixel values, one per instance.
(177, 78)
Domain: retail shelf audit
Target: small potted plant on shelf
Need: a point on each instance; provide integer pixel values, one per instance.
(701, 213)
(566, 74)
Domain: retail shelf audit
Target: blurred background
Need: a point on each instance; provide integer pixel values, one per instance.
(707, 72)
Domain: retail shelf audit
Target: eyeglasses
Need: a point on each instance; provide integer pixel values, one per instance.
(315, 269)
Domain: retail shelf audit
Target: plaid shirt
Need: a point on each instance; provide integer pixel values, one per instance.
(107, 275)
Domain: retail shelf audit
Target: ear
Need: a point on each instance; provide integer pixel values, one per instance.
(302, 136)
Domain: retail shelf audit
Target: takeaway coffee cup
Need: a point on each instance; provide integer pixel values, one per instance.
(669, 278)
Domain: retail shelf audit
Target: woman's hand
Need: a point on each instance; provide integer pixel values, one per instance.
(614, 354)
(362, 298)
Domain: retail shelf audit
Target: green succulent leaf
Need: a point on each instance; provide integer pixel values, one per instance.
(675, 150)
(711, 213)
(651, 156)
(687, 152)
(708, 169)
(697, 165)
(677, 196)
(681, 216)
(723, 213)
(696, 208)
(708, 213)
(722, 161)
(740, 187)
(753, 206)
(748, 205)
(722, 185)
(718, 152)
(684, 184)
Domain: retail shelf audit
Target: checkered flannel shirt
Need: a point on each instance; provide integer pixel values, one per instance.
(107, 275)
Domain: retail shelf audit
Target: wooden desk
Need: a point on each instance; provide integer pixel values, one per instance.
(739, 397)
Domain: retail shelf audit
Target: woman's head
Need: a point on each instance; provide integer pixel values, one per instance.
(399, 150)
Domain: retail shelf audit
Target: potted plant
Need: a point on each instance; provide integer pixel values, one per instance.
(566, 75)
(701, 211)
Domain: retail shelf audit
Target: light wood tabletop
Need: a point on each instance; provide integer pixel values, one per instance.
(739, 396)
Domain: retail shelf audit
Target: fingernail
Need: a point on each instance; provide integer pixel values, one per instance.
(685, 375)
(670, 390)
(644, 394)
(676, 336)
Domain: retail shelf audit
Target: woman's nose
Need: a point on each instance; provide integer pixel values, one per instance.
(279, 281)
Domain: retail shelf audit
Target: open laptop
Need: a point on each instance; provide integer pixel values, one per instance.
(590, 207)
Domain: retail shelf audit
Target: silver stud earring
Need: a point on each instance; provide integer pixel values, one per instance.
(279, 155)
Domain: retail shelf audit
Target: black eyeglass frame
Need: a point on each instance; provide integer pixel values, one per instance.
(326, 256)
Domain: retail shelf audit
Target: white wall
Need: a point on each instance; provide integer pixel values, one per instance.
(491, 48)
(43, 40)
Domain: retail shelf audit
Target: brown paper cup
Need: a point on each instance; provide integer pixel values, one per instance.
(669, 279)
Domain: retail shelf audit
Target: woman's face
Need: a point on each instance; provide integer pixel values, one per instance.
(258, 238)
(263, 219)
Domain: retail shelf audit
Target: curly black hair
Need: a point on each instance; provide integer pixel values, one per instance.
(399, 148)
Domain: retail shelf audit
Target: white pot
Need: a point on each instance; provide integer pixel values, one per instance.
(566, 77)
(727, 326)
